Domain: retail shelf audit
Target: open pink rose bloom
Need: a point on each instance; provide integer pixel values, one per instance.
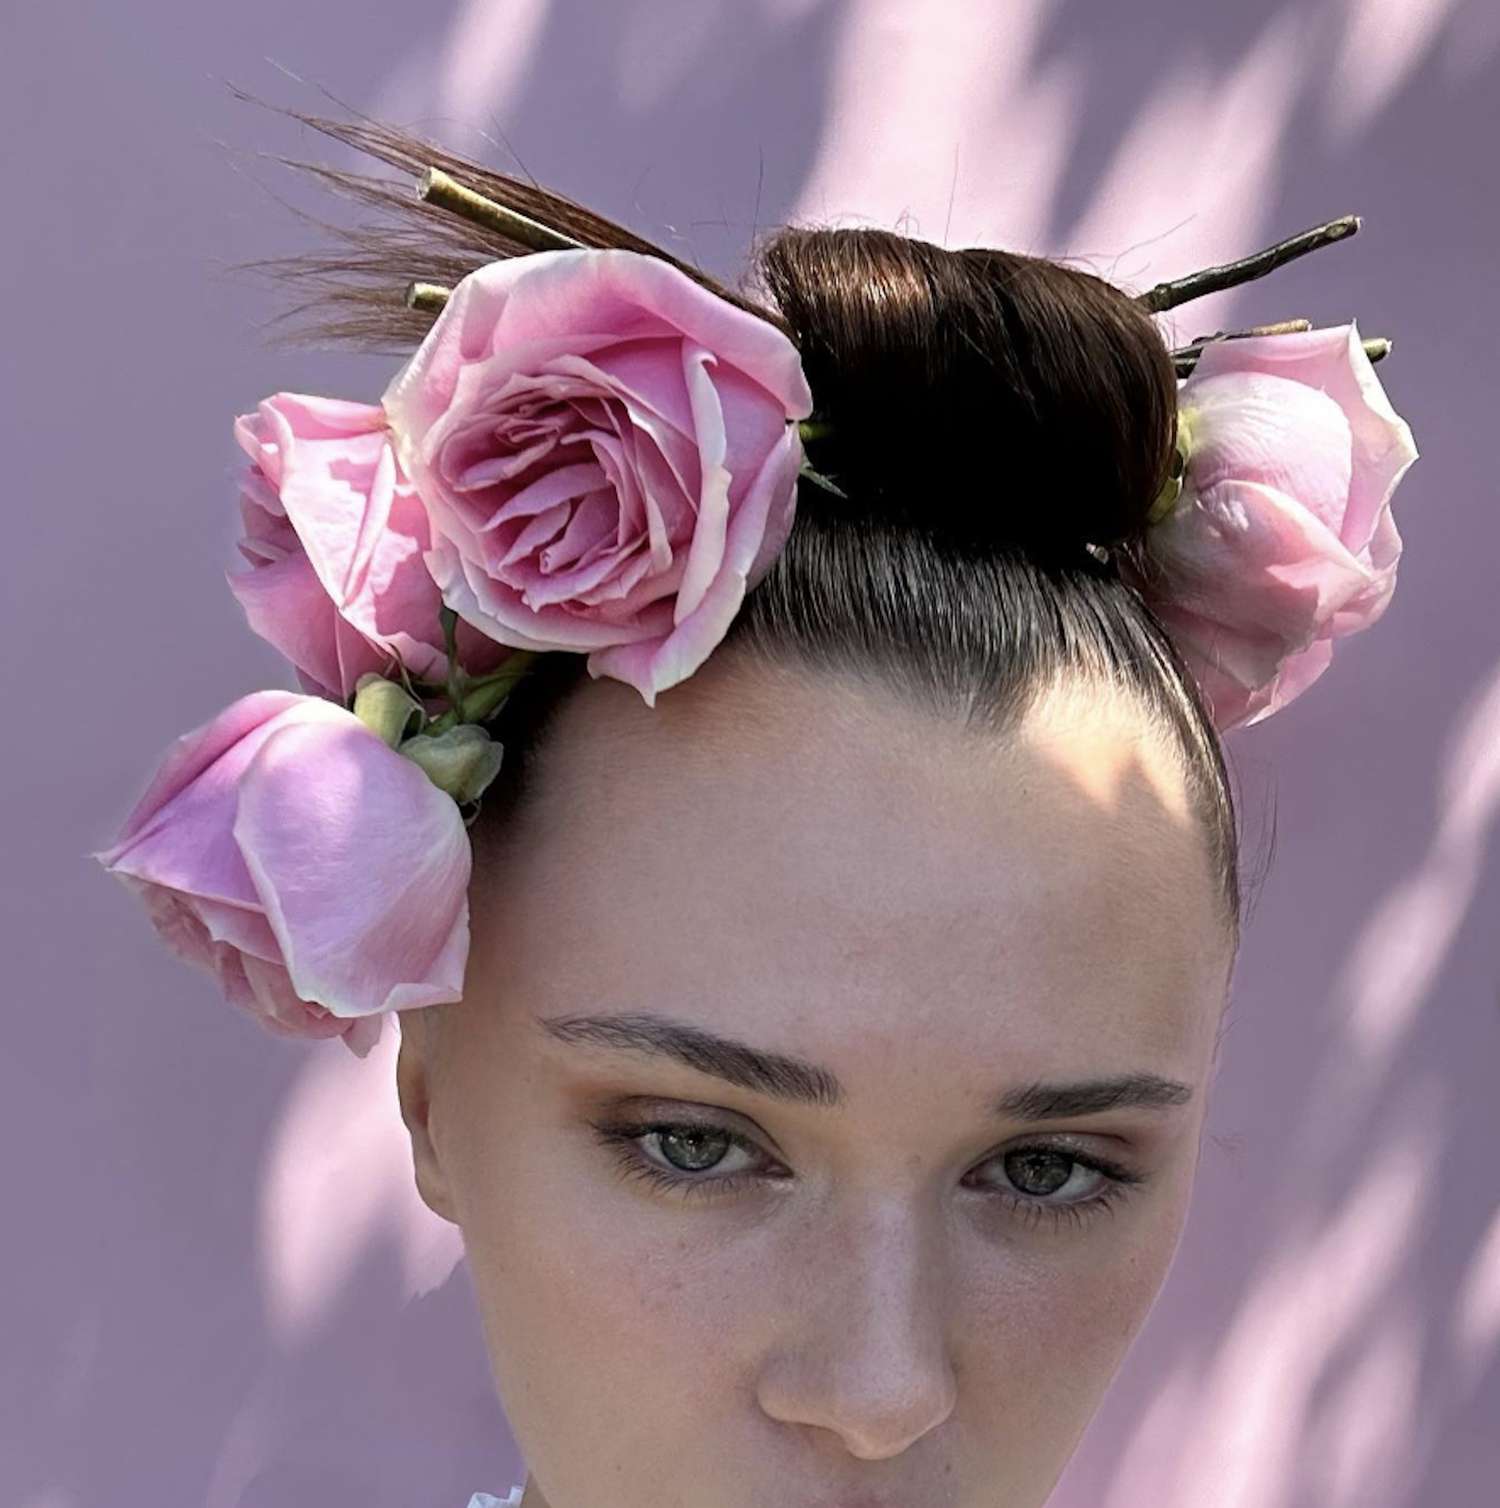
(1282, 540)
(605, 452)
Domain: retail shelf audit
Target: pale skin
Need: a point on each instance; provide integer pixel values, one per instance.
(891, 1308)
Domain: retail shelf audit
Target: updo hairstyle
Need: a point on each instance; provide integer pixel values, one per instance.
(998, 425)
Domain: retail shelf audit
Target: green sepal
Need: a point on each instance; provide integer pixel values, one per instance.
(819, 480)
(1171, 491)
(461, 761)
(386, 709)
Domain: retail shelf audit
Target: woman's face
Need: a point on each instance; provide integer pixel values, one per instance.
(823, 1106)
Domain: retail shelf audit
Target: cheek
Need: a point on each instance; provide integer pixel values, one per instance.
(611, 1345)
(596, 1288)
(1051, 1320)
(577, 1277)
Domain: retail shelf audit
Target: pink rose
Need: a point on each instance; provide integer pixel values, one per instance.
(335, 535)
(605, 454)
(1282, 540)
(317, 873)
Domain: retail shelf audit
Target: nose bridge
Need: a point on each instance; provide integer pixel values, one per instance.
(866, 1351)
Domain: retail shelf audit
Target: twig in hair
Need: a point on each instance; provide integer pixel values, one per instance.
(1185, 358)
(1281, 327)
(431, 296)
(1231, 274)
(1194, 347)
(444, 190)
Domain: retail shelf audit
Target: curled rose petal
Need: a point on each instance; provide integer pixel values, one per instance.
(362, 865)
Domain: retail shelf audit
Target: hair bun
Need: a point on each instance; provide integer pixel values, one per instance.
(988, 397)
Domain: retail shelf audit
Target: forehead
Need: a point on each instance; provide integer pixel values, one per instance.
(812, 856)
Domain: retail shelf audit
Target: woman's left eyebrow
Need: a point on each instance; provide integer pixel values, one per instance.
(795, 1080)
(1135, 1091)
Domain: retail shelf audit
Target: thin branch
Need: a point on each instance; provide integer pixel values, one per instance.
(440, 188)
(427, 296)
(1185, 358)
(1231, 274)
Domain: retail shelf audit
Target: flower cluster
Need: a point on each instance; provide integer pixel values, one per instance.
(588, 452)
(591, 453)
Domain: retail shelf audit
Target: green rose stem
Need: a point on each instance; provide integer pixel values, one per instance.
(469, 698)
(485, 695)
(449, 620)
(1232, 274)
(399, 666)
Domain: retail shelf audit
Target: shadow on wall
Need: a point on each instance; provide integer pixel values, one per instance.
(1329, 1332)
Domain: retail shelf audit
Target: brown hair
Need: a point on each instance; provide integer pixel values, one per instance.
(999, 424)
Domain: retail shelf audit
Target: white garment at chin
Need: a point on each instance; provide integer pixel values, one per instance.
(484, 1500)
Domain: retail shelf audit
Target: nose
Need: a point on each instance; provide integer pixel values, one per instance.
(865, 1349)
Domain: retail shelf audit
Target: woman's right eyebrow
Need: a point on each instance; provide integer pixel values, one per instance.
(795, 1080)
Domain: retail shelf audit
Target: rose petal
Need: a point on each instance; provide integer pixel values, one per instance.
(193, 754)
(1296, 675)
(362, 865)
(498, 610)
(1255, 427)
(1334, 360)
(581, 293)
(706, 552)
(288, 607)
(767, 511)
(335, 535)
(1244, 554)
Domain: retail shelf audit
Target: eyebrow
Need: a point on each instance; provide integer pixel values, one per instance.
(796, 1081)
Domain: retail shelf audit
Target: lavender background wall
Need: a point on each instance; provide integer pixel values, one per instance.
(218, 1289)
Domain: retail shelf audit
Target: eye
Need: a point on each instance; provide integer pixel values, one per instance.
(1042, 1181)
(1041, 1172)
(688, 1152)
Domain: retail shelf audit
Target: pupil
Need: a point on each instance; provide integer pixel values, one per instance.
(692, 1136)
(1038, 1172)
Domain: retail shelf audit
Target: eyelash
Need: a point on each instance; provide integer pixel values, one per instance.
(620, 1139)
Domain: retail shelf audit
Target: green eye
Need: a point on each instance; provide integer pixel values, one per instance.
(686, 1153)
